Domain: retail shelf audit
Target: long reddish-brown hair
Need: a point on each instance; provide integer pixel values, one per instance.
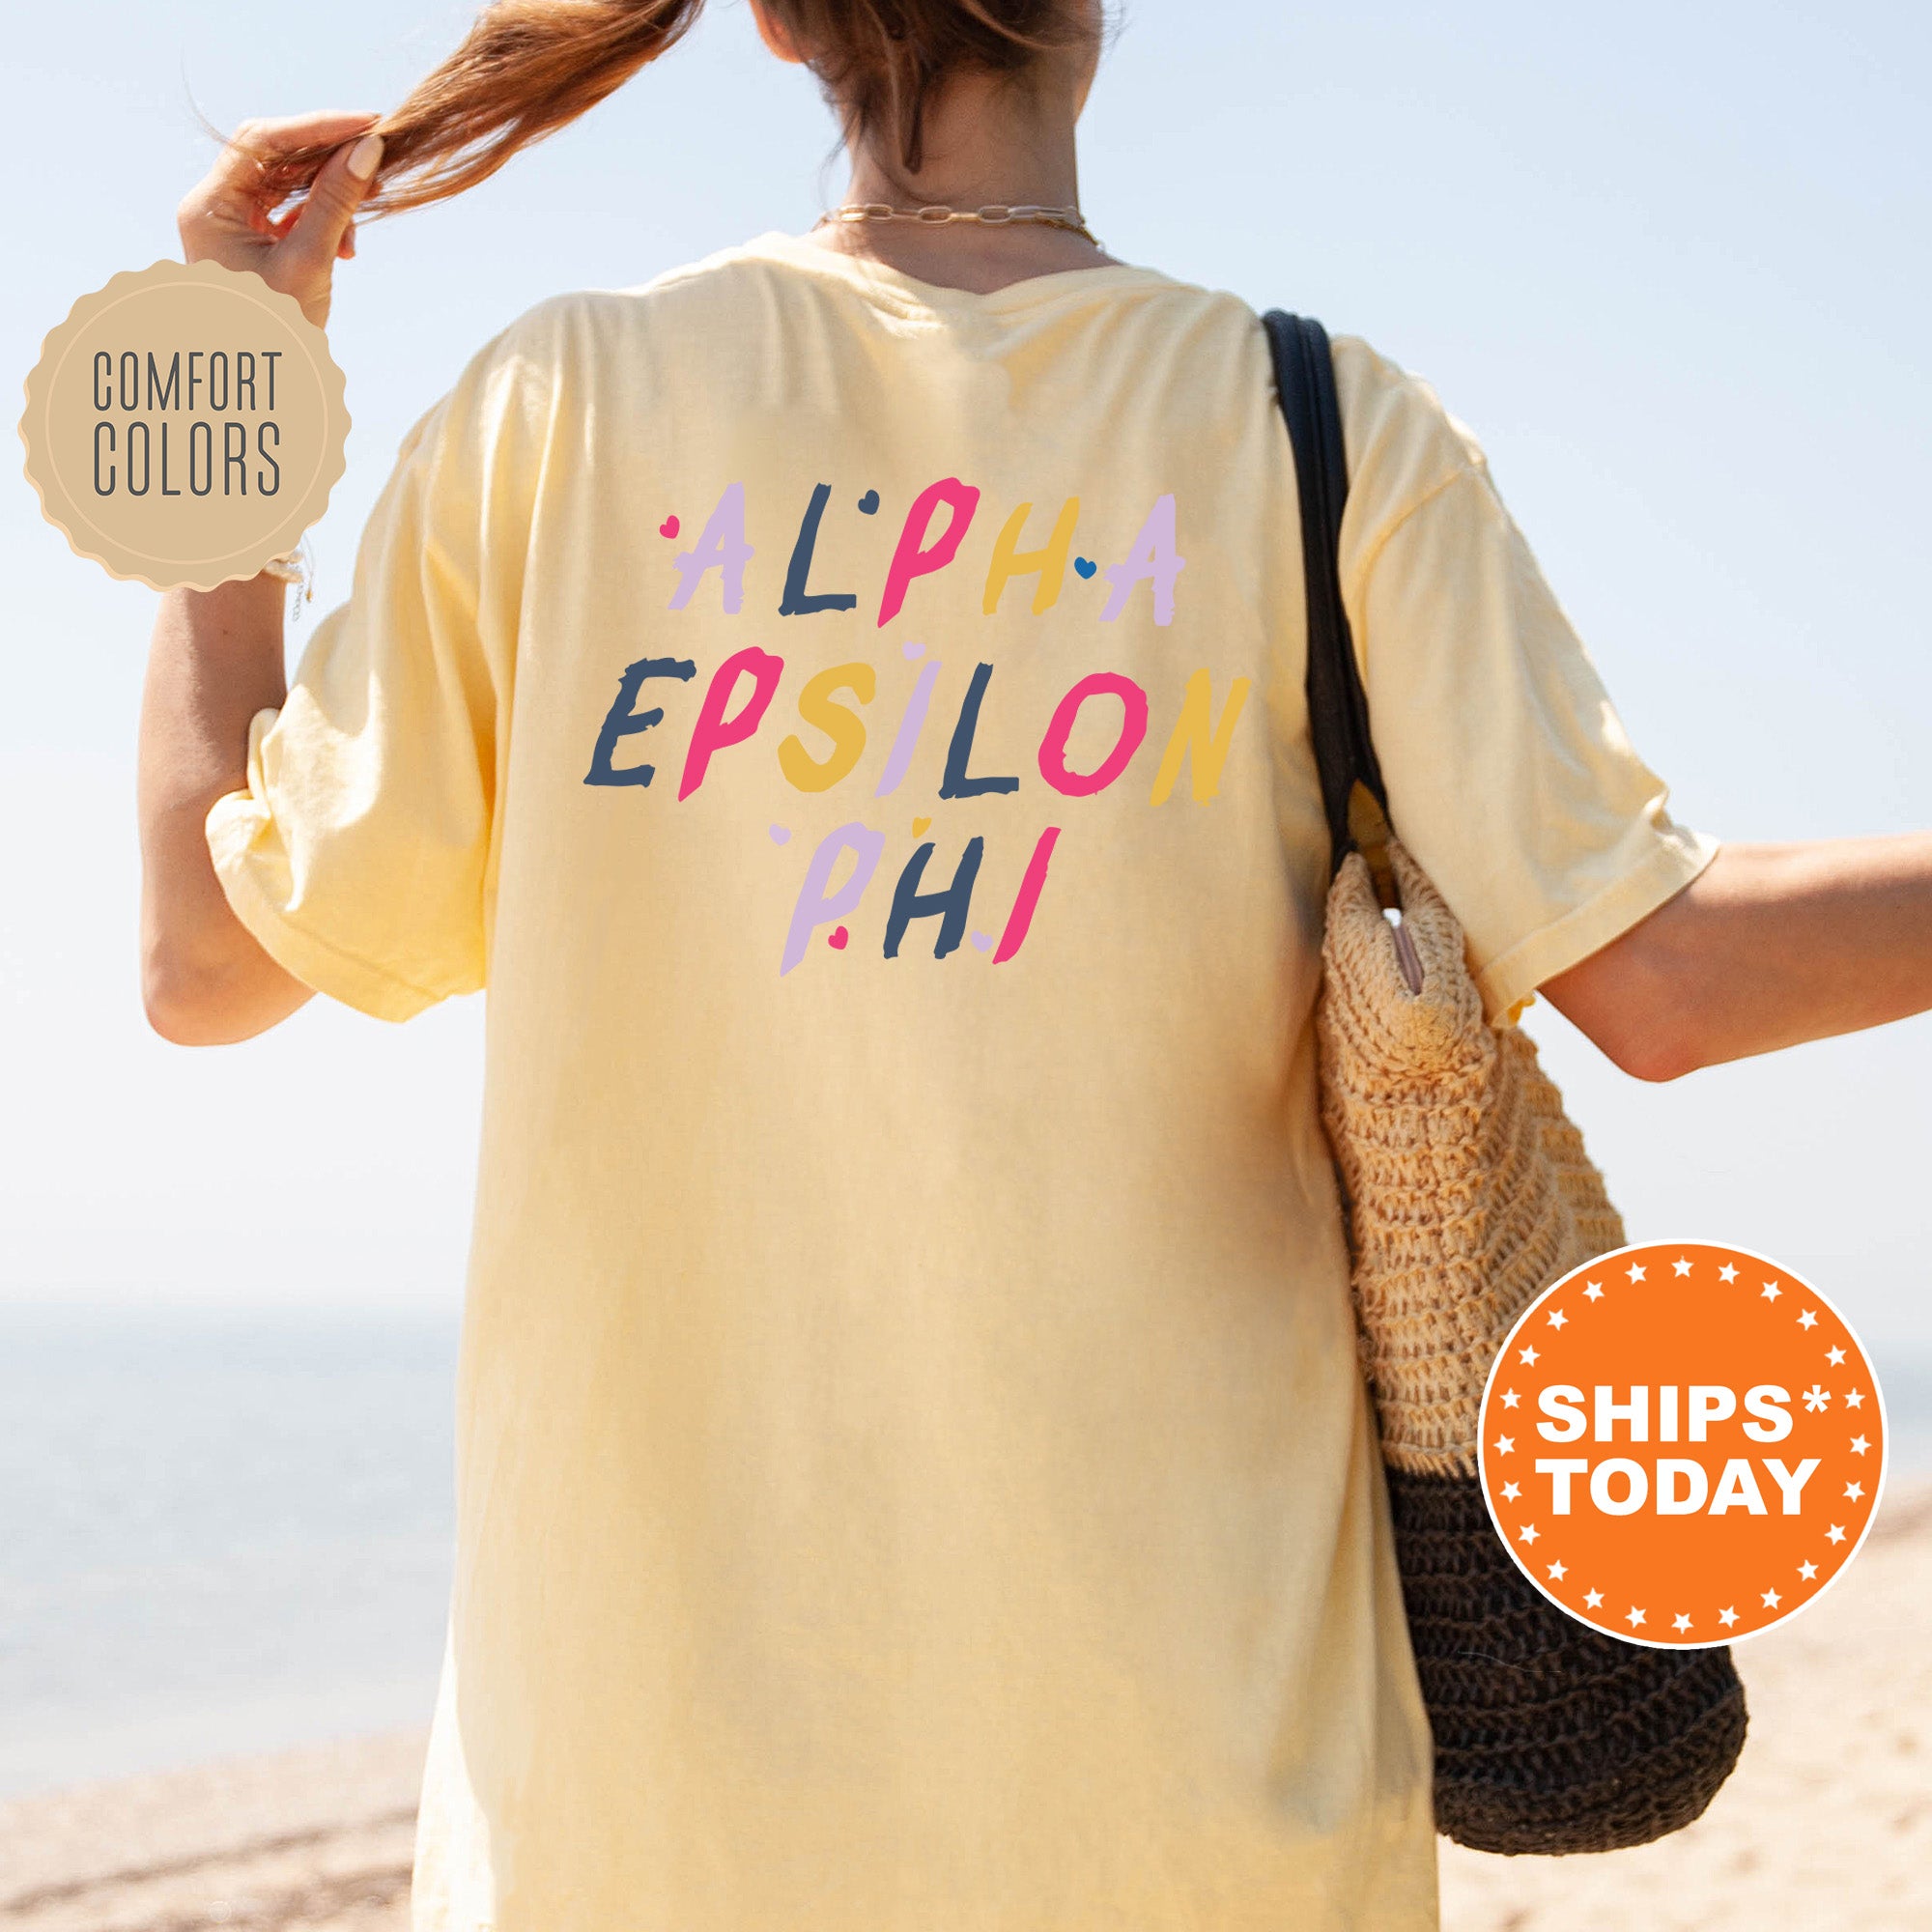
(528, 67)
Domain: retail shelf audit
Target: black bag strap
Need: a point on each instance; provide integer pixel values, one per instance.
(1338, 707)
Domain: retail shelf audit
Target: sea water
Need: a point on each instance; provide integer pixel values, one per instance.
(219, 1532)
(227, 1532)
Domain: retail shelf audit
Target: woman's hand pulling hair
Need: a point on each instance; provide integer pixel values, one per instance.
(231, 215)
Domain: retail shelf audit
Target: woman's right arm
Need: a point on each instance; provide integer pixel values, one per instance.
(216, 661)
(217, 657)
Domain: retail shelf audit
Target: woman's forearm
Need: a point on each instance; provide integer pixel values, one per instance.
(1770, 946)
(216, 661)
(217, 654)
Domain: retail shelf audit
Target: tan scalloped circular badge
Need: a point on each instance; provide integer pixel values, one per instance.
(185, 424)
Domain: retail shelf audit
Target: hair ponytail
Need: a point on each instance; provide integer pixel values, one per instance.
(527, 68)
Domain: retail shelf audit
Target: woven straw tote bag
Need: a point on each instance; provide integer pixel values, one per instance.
(1468, 1193)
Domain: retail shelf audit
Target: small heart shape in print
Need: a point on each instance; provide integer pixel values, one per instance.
(919, 825)
(869, 503)
(1084, 565)
(837, 938)
(669, 527)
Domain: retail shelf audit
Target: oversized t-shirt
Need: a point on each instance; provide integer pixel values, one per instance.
(914, 1474)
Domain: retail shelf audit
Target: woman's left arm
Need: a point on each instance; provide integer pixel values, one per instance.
(1767, 947)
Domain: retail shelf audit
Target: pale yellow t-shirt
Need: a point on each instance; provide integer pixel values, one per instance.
(914, 1474)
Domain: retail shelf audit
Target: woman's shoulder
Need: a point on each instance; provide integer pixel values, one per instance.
(721, 283)
(1404, 444)
(554, 332)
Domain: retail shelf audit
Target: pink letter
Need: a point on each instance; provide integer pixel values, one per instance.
(1021, 915)
(909, 559)
(712, 731)
(1134, 728)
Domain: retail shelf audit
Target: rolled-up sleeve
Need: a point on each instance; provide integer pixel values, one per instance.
(1511, 777)
(360, 852)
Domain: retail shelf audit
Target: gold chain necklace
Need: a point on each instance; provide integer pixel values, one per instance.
(997, 214)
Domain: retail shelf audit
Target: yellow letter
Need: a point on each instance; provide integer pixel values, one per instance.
(838, 722)
(1050, 562)
(1195, 730)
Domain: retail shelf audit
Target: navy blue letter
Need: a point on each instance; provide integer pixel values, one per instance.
(620, 720)
(795, 603)
(910, 903)
(960, 754)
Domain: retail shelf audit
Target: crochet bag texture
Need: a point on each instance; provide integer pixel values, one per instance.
(1467, 1192)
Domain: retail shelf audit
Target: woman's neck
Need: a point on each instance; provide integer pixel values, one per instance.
(987, 143)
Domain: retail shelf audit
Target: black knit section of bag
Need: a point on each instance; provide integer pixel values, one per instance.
(1549, 1736)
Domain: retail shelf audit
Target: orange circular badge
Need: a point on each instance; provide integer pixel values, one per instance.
(1682, 1443)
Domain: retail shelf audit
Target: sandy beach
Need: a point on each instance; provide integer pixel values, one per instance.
(1828, 1822)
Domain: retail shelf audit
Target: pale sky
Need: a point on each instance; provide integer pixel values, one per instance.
(1669, 261)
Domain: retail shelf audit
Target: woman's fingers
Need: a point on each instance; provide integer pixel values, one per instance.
(238, 165)
(230, 198)
(229, 217)
(317, 237)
